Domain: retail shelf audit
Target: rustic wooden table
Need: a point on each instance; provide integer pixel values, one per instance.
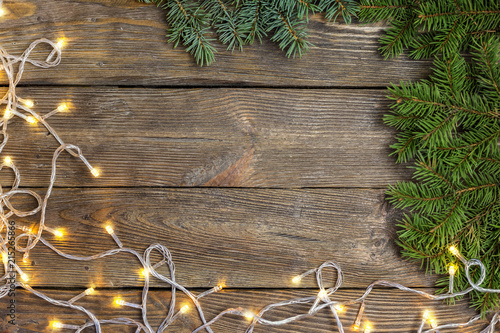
(251, 170)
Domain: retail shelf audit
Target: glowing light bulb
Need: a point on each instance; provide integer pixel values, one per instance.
(297, 279)
(433, 322)
(8, 113)
(95, 172)
(452, 270)
(26, 257)
(119, 301)
(7, 160)
(368, 328)
(248, 315)
(59, 233)
(184, 309)
(110, 230)
(25, 277)
(322, 293)
(32, 120)
(57, 324)
(29, 103)
(426, 314)
(221, 285)
(89, 291)
(355, 327)
(454, 250)
(5, 257)
(145, 271)
(62, 107)
(61, 42)
(339, 308)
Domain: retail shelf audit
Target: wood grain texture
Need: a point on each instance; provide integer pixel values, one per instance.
(388, 310)
(211, 137)
(248, 237)
(123, 43)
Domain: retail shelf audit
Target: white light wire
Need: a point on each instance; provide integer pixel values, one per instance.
(322, 299)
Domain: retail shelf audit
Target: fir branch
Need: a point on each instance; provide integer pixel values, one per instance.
(240, 22)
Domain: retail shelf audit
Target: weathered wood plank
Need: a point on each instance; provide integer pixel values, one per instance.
(247, 237)
(123, 43)
(387, 310)
(212, 137)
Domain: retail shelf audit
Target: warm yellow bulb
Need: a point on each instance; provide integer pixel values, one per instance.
(109, 229)
(26, 258)
(248, 315)
(5, 257)
(61, 42)
(95, 172)
(297, 279)
(355, 327)
(426, 314)
(221, 285)
(119, 301)
(368, 328)
(62, 107)
(30, 119)
(89, 291)
(29, 103)
(184, 309)
(454, 250)
(433, 323)
(339, 308)
(7, 160)
(25, 277)
(8, 113)
(145, 271)
(452, 270)
(57, 324)
(2, 12)
(322, 293)
(59, 233)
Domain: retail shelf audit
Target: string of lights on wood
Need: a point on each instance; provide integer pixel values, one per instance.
(17, 108)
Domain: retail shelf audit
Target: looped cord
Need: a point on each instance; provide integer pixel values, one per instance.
(322, 300)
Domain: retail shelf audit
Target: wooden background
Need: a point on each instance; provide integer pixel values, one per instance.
(251, 171)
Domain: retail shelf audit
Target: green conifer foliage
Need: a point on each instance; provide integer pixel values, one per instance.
(431, 27)
(240, 22)
(450, 126)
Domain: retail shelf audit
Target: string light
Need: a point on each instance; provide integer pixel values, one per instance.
(111, 231)
(122, 302)
(7, 160)
(57, 324)
(8, 113)
(320, 300)
(61, 42)
(457, 253)
(63, 107)
(56, 232)
(32, 120)
(95, 172)
(249, 315)
(339, 308)
(27, 102)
